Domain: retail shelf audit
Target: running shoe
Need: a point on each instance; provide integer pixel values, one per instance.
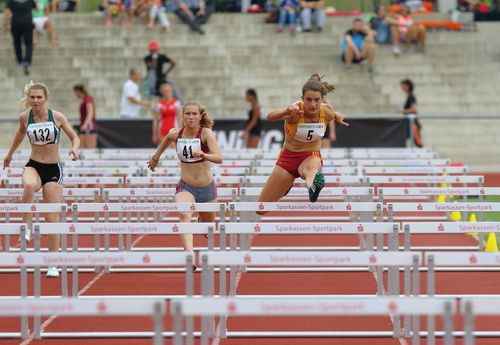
(52, 272)
(317, 186)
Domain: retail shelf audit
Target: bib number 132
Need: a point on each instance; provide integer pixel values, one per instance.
(187, 152)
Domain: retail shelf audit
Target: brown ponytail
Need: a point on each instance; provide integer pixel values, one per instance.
(206, 121)
(316, 84)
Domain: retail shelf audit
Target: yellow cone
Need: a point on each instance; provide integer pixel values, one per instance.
(456, 216)
(441, 198)
(472, 219)
(491, 244)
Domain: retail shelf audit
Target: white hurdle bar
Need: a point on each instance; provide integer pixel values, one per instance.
(73, 259)
(471, 307)
(341, 179)
(16, 229)
(140, 208)
(109, 193)
(67, 193)
(208, 308)
(422, 179)
(74, 181)
(96, 307)
(414, 170)
(302, 192)
(327, 170)
(310, 259)
(455, 259)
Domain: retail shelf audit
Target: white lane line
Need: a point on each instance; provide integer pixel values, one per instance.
(81, 292)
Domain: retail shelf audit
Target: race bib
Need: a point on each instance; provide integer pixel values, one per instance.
(42, 133)
(186, 148)
(307, 132)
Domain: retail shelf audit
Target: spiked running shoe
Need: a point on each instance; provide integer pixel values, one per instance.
(317, 186)
(52, 272)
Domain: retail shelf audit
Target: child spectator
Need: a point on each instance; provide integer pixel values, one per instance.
(357, 45)
(288, 8)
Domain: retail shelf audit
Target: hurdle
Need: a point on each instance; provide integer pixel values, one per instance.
(74, 181)
(329, 179)
(471, 307)
(423, 179)
(460, 259)
(16, 229)
(391, 154)
(37, 260)
(415, 170)
(120, 208)
(97, 229)
(35, 209)
(308, 306)
(11, 194)
(89, 307)
(311, 259)
(327, 170)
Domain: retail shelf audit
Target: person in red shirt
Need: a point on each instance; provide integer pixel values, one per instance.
(166, 114)
(88, 124)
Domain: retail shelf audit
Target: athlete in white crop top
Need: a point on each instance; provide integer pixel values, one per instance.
(44, 170)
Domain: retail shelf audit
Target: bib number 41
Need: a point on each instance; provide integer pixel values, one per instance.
(187, 152)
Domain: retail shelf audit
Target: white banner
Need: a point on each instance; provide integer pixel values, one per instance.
(392, 155)
(327, 170)
(124, 228)
(391, 191)
(147, 207)
(414, 170)
(306, 207)
(94, 259)
(142, 180)
(328, 179)
(309, 306)
(309, 228)
(101, 171)
(327, 191)
(464, 258)
(425, 179)
(403, 162)
(451, 227)
(139, 192)
(67, 192)
(80, 307)
(32, 208)
(11, 228)
(310, 258)
(446, 207)
(482, 305)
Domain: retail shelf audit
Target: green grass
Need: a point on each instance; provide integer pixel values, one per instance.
(488, 216)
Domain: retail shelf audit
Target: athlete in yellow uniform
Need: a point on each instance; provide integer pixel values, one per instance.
(305, 125)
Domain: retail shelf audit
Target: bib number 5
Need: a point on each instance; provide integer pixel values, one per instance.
(310, 134)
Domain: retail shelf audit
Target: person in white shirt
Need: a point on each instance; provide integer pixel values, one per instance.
(131, 102)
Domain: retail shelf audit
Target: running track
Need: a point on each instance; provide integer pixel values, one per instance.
(255, 283)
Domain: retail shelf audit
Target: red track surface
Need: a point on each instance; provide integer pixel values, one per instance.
(256, 283)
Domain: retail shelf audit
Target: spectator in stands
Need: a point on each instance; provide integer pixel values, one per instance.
(410, 108)
(194, 13)
(409, 31)
(386, 28)
(167, 114)
(155, 75)
(88, 123)
(131, 102)
(253, 128)
(482, 7)
(288, 9)
(358, 44)
(21, 27)
(42, 23)
(312, 9)
(64, 5)
(157, 10)
(114, 7)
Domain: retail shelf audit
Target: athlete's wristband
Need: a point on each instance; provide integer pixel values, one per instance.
(155, 159)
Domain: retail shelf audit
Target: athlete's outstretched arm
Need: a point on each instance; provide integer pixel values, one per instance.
(215, 155)
(331, 114)
(18, 139)
(284, 113)
(70, 133)
(155, 158)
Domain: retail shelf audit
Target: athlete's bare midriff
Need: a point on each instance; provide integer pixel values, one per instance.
(197, 174)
